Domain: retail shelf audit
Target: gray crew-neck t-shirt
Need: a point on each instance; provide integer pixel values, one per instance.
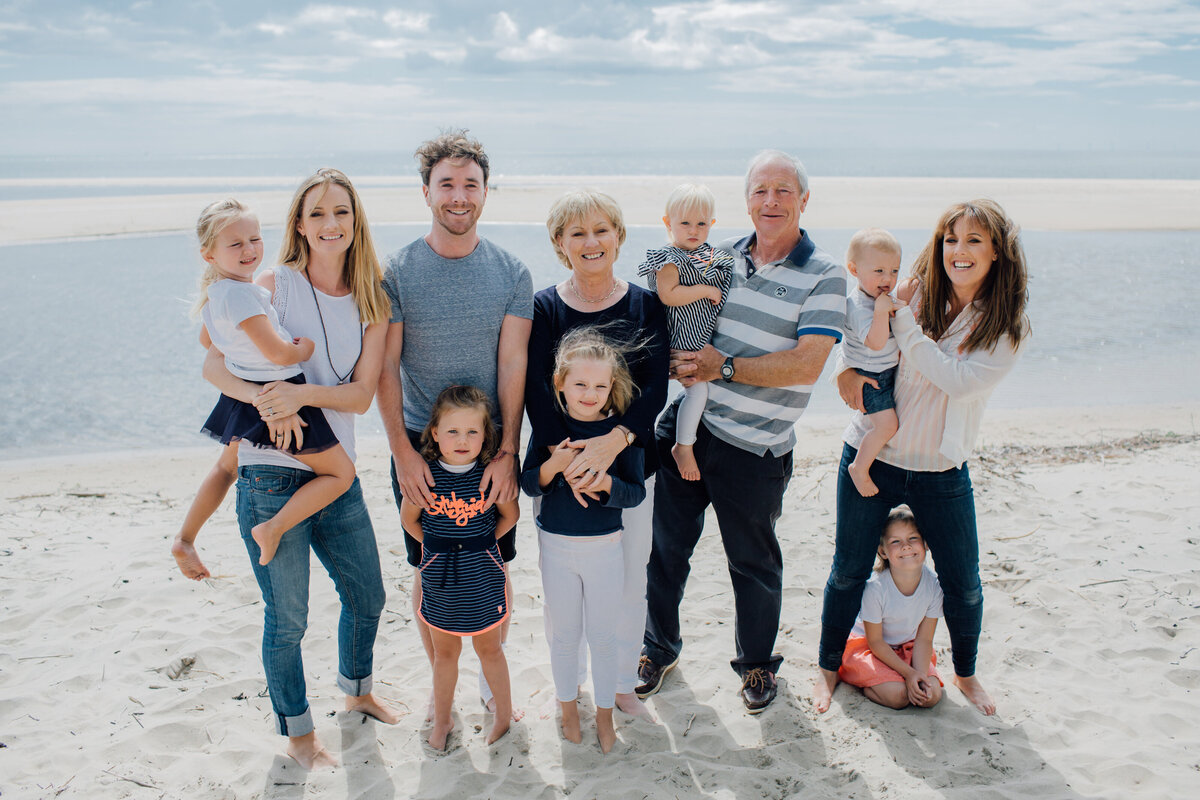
(452, 310)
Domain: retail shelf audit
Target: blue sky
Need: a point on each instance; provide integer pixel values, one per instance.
(219, 77)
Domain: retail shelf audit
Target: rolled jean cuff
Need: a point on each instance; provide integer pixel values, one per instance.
(355, 687)
(300, 725)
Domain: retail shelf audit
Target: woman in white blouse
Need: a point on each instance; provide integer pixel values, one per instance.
(961, 332)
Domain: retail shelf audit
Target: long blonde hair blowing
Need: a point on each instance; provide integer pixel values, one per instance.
(213, 220)
(1004, 293)
(589, 343)
(361, 272)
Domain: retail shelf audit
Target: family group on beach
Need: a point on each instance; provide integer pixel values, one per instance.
(449, 333)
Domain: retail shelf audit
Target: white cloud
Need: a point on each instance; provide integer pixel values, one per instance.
(405, 21)
(332, 15)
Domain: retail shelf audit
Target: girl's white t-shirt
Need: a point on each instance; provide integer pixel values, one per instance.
(883, 603)
(230, 303)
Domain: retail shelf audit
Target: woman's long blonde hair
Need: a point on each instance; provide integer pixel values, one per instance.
(213, 220)
(1004, 293)
(361, 271)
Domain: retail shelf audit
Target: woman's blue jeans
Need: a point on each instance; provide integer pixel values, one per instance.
(943, 504)
(343, 539)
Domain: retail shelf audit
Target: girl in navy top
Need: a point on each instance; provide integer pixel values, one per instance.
(579, 534)
(462, 574)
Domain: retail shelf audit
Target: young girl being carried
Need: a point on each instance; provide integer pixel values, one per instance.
(579, 535)
(889, 654)
(240, 320)
(692, 280)
(462, 573)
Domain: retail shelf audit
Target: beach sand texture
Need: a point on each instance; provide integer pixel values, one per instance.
(121, 679)
(1043, 204)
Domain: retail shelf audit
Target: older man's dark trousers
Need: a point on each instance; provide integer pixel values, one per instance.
(746, 493)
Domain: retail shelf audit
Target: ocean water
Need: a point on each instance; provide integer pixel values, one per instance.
(99, 352)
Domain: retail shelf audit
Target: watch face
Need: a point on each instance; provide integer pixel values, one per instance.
(727, 370)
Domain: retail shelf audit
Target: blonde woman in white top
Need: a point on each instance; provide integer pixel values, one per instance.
(962, 330)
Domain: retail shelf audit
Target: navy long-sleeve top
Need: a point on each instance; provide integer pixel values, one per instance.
(561, 512)
(639, 315)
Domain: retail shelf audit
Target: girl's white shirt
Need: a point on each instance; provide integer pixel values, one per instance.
(899, 614)
(230, 303)
(940, 393)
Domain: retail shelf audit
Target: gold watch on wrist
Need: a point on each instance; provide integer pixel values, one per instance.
(630, 436)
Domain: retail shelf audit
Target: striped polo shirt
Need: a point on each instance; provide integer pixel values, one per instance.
(768, 309)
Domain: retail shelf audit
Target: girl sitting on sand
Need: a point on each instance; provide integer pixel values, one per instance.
(579, 535)
(462, 573)
(691, 279)
(889, 654)
(240, 320)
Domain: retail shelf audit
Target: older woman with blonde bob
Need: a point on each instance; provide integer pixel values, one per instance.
(327, 288)
(960, 326)
(587, 230)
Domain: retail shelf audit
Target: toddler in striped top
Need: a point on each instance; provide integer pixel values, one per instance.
(692, 279)
(463, 582)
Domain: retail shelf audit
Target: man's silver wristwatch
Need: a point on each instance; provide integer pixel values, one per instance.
(727, 369)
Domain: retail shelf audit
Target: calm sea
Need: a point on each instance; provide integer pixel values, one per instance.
(99, 353)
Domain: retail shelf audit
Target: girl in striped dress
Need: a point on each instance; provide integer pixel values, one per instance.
(462, 574)
(692, 280)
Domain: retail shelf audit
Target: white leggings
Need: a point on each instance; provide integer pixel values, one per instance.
(582, 580)
(695, 397)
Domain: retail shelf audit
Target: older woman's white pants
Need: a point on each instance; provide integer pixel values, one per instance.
(582, 581)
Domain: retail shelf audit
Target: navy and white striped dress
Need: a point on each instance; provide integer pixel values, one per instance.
(462, 577)
(691, 326)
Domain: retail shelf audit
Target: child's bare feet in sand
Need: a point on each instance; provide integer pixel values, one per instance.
(308, 752)
(862, 479)
(823, 686)
(631, 705)
(267, 538)
(188, 560)
(685, 459)
(974, 691)
(605, 731)
(439, 733)
(570, 721)
(499, 728)
(371, 706)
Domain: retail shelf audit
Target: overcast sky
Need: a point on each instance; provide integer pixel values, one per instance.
(229, 77)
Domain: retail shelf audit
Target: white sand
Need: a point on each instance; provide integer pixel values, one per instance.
(1092, 578)
(1038, 204)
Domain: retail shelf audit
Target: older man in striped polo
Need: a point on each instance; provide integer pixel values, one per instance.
(785, 311)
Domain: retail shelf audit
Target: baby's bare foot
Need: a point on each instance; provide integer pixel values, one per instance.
(823, 687)
(685, 459)
(308, 752)
(371, 706)
(862, 480)
(268, 541)
(974, 691)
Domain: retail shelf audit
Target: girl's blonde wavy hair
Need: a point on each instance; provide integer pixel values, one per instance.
(464, 397)
(589, 343)
(213, 220)
(361, 272)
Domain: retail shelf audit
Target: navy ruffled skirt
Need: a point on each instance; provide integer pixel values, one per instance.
(232, 420)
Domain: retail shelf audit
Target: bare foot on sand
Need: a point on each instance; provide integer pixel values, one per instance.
(189, 560)
(973, 689)
(499, 728)
(605, 731)
(267, 538)
(439, 734)
(862, 479)
(685, 459)
(570, 721)
(823, 687)
(631, 705)
(371, 706)
(308, 752)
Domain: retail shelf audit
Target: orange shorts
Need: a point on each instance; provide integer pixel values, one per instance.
(861, 668)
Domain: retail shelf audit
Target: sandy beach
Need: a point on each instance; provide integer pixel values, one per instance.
(121, 679)
(1042, 204)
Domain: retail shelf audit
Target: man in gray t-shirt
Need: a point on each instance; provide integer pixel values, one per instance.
(461, 313)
